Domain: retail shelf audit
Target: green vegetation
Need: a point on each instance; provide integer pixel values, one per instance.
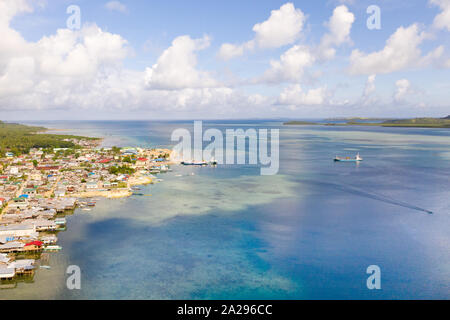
(303, 123)
(19, 139)
(115, 150)
(356, 119)
(121, 170)
(127, 159)
(122, 185)
(419, 122)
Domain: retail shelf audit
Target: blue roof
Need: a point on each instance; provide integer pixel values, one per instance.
(23, 196)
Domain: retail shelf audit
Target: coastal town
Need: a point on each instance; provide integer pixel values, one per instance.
(39, 188)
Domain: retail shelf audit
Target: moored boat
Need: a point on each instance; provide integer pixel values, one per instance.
(194, 163)
(45, 267)
(52, 248)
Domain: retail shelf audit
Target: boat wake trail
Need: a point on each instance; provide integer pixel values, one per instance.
(371, 195)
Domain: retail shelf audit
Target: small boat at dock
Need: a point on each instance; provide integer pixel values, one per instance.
(52, 248)
(60, 221)
(45, 267)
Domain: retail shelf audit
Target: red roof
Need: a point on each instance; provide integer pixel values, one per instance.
(2, 199)
(104, 161)
(35, 243)
(142, 159)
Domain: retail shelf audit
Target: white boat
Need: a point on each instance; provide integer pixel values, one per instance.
(45, 267)
(52, 248)
(60, 221)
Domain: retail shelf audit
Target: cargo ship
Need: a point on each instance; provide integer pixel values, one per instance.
(348, 159)
(212, 162)
(194, 163)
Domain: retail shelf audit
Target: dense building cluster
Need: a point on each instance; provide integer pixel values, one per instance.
(39, 188)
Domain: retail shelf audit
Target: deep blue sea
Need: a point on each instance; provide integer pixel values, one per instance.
(309, 232)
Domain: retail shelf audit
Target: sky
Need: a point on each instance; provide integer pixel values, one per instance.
(203, 59)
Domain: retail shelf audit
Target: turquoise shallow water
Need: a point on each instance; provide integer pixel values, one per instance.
(228, 233)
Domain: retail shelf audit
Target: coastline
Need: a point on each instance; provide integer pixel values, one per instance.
(110, 194)
(222, 239)
(115, 193)
(41, 185)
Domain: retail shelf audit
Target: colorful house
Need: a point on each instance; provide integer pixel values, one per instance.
(33, 246)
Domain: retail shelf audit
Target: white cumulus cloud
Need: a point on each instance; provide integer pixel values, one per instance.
(283, 27)
(400, 52)
(339, 26)
(442, 20)
(290, 67)
(176, 67)
(83, 70)
(370, 85)
(293, 63)
(402, 89)
(116, 6)
(64, 60)
(294, 95)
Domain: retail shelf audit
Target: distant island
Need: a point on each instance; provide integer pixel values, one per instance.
(355, 121)
(19, 139)
(304, 123)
